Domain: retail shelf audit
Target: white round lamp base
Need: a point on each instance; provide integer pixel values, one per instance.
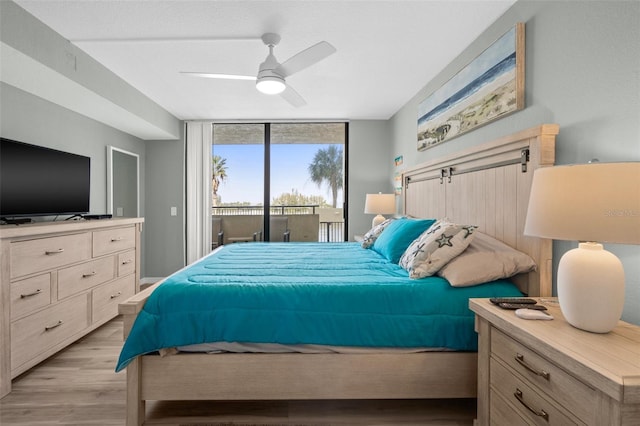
(591, 288)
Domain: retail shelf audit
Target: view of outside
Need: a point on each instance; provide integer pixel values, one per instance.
(306, 172)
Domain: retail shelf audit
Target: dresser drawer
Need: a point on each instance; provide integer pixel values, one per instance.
(113, 240)
(106, 297)
(552, 380)
(36, 333)
(529, 404)
(29, 295)
(28, 257)
(126, 263)
(81, 277)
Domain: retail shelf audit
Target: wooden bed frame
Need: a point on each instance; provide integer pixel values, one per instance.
(487, 185)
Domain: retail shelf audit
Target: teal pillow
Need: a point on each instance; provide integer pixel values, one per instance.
(397, 236)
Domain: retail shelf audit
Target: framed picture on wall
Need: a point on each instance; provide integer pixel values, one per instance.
(488, 88)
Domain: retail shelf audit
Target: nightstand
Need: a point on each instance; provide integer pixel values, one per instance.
(533, 372)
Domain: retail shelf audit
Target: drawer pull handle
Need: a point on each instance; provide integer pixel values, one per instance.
(115, 240)
(51, 252)
(91, 274)
(51, 327)
(126, 262)
(522, 362)
(541, 413)
(38, 291)
(113, 296)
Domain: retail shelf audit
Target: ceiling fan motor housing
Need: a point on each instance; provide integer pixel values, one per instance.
(268, 80)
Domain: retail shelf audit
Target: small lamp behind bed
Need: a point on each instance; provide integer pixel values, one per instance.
(591, 203)
(379, 204)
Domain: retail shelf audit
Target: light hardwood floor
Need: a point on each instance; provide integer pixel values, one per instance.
(78, 386)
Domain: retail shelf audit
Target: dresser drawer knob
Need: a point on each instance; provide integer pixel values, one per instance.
(51, 327)
(38, 291)
(522, 362)
(113, 296)
(52, 252)
(520, 398)
(90, 274)
(115, 240)
(126, 262)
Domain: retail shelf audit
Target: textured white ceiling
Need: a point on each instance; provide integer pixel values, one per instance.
(386, 50)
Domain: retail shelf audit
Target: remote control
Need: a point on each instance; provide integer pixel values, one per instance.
(522, 306)
(497, 300)
(532, 314)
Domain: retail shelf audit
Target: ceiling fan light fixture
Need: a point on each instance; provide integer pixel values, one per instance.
(270, 85)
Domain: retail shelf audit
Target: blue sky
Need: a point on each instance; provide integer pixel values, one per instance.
(289, 164)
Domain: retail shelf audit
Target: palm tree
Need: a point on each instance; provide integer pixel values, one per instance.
(327, 166)
(219, 174)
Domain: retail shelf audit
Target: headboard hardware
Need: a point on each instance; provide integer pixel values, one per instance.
(524, 159)
(443, 174)
(407, 179)
(450, 173)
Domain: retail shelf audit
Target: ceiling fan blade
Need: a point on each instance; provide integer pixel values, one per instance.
(293, 97)
(220, 76)
(305, 59)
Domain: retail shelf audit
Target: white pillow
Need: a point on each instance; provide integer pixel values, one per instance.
(436, 247)
(372, 235)
(485, 260)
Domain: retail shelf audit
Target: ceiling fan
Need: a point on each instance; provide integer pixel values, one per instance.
(271, 78)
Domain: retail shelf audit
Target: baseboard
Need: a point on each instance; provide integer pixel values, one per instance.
(151, 280)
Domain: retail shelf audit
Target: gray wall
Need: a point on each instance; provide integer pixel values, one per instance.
(165, 249)
(369, 168)
(28, 118)
(582, 72)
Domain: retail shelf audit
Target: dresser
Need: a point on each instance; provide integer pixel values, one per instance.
(536, 372)
(59, 281)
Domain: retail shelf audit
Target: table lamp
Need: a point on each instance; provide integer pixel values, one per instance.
(379, 204)
(593, 204)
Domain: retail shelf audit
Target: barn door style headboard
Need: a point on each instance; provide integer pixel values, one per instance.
(488, 185)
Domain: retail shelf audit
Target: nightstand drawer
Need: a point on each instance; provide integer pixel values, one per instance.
(529, 404)
(503, 414)
(569, 392)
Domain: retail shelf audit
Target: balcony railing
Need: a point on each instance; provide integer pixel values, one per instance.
(274, 210)
(328, 231)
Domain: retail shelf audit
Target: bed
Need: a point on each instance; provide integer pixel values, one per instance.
(487, 186)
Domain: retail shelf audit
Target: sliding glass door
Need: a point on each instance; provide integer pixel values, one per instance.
(279, 181)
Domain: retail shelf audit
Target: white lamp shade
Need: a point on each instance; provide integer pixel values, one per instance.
(380, 204)
(589, 202)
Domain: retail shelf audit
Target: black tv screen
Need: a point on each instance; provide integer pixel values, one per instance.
(38, 181)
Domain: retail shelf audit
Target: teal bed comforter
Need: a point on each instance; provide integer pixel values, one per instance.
(305, 293)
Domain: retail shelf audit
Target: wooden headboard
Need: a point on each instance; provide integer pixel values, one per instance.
(488, 185)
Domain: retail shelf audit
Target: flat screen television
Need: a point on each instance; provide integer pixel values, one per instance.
(39, 181)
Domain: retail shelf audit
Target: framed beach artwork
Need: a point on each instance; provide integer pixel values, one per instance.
(488, 88)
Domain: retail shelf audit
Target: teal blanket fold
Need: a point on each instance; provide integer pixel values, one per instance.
(305, 293)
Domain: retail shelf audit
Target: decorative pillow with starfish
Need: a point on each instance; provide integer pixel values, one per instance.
(436, 246)
(373, 234)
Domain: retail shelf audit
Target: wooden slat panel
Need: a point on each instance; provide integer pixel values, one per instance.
(490, 188)
(289, 376)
